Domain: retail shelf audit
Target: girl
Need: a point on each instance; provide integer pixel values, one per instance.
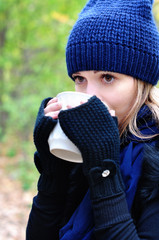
(112, 54)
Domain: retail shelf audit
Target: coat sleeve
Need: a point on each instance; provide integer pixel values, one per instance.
(44, 219)
(52, 207)
(148, 223)
(46, 213)
(145, 228)
(114, 221)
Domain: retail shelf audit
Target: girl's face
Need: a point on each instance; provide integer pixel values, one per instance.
(117, 90)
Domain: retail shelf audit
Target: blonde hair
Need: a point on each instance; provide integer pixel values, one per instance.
(146, 94)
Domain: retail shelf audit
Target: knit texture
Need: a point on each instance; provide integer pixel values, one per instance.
(105, 187)
(43, 126)
(109, 203)
(119, 36)
(94, 131)
(54, 172)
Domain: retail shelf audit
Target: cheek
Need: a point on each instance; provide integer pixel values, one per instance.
(123, 103)
(122, 100)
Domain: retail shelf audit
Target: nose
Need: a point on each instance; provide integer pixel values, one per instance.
(92, 89)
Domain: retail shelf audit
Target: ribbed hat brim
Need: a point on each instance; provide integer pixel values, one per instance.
(113, 57)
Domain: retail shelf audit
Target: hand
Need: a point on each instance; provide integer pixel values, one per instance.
(54, 172)
(53, 108)
(93, 130)
(111, 111)
(45, 122)
(43, 127)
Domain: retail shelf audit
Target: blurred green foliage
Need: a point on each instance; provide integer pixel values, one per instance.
(33, 36)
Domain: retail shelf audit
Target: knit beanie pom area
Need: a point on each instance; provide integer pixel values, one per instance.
(118, 36)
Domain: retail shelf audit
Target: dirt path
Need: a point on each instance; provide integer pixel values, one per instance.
(14, 207)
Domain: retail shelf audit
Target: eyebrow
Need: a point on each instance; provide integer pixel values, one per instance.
(79, 72)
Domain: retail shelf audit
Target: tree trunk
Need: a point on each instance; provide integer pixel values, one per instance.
(3, 113)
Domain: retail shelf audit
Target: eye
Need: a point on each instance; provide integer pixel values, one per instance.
(78, 79)
(107, 78)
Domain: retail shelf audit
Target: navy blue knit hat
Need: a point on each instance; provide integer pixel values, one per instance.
(115, 35)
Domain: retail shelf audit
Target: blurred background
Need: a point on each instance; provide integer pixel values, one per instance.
(33, 36)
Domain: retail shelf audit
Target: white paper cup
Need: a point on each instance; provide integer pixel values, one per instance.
(59, 144)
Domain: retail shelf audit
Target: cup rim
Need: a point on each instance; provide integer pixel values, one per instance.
(72, 93)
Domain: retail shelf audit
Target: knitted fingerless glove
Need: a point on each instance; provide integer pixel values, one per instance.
(54, 171)
(43, 126)
(95, 133)
(93, 130)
